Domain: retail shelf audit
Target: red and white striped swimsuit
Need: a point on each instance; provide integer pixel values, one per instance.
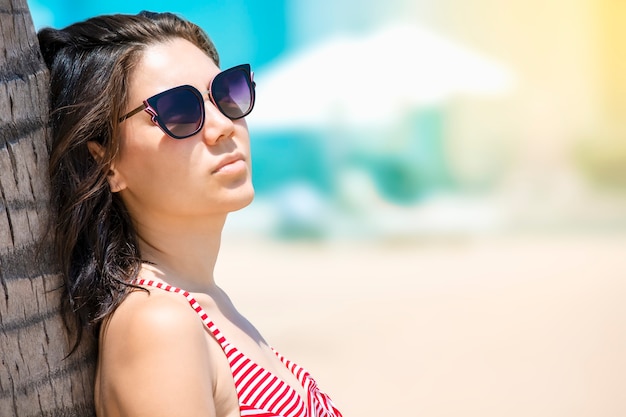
(260, 393)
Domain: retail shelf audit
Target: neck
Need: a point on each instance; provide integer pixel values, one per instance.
(181, 253)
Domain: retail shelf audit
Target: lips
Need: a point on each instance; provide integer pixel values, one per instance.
(232, 162)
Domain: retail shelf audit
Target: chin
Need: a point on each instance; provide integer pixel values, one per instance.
(243, 199)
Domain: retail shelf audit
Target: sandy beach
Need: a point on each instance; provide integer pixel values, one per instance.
(494, 326)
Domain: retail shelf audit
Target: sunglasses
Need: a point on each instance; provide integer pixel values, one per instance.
(180, 111)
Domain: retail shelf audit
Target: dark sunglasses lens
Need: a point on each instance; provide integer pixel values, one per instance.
(232, 92)
(179, 111)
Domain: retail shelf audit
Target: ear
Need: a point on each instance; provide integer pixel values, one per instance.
(114, 177)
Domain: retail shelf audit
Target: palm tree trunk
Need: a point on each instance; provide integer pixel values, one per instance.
(36, 378)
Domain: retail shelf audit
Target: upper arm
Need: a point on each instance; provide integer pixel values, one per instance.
(154, 359)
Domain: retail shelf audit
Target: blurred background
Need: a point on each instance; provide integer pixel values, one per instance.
(442, 183)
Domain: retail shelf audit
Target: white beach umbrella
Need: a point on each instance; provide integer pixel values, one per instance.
(371, 80)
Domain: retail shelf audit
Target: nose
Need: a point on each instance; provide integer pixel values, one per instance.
(216, 125)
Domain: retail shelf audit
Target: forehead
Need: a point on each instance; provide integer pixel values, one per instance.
(170, 64)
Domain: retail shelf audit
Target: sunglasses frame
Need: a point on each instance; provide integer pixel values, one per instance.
(200, 96)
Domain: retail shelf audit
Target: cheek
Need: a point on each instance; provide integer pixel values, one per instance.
(242, 136)
(145, 166)
(141, 162)
(154, 181)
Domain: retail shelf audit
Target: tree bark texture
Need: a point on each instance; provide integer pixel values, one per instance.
(37, 378)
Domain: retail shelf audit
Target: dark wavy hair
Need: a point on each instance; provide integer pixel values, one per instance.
(90, 64)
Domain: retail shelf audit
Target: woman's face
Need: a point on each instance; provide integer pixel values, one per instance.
(208, 173)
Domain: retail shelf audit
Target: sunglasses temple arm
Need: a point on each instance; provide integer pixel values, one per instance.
(133, 112)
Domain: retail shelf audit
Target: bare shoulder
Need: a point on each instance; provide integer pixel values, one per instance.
(154, 359)
(152, 315)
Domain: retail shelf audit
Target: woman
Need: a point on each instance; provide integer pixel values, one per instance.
(150, 153)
